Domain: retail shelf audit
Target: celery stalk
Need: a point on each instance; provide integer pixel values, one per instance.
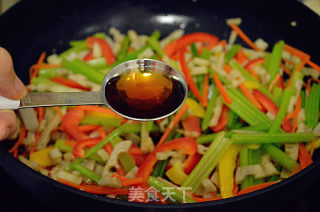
(79, 67)
(260, 138)
(312, 111)
(175, 192)
(279, 156)
(100, 120)
(275, 60)
(208, 162)
(282, 110)
(87, 172)
(209, 110)
(155, 45)
(194, 50)
(232, 52)
(124, 47)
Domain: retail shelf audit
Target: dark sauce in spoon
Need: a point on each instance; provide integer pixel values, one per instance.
(144, 95)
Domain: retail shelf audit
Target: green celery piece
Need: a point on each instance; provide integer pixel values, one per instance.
(77, 48)
(275, 60)
(79, 67)
(200, 80)
(250, 111)
(98, 146)
(260, 138)
(100, 120)
(126, 160)
(248, 180)
(267, 58)
(279, 156)
(160, 168)
(244, 161)
(209, 110)
(60, 144)
(204, 139)
(150, 125)
(155, 45)
(124, 46)
(97, 63)
(156, 34)
(49, 73)
(205, 53)
(208, 162)
(178, 135)
(87, 172)
(312, 111)
(259, 128)
(277, 92)
(237, 126)
(43, 80)
(175, 192)
(247, 76)
(282, 110)
(232, 119)
(232, 52)
(101, 35)
(194, 50)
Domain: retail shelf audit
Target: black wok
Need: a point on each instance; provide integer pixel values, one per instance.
(31, 27)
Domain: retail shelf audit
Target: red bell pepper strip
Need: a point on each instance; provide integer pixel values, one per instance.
(70, 124)
(281, 83)
(191, 162)
(177, 45)
(185, 145)
(223, 120)
(254, 62)
(270, 106)
(88, 56)
(304, 157)
(191, 126)
(78, 149)
(188, 76)
(105, 48)
(69, 83)
(137, 154)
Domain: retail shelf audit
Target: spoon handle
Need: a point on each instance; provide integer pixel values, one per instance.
(54, 99)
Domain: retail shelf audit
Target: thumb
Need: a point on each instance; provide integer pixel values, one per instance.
(10, 85)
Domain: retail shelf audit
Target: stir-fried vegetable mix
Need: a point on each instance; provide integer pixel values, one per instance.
(250, 120)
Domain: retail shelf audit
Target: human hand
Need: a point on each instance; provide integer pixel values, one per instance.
(10, 87)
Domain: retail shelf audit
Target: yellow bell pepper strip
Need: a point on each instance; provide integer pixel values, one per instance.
(195, 108)
(42, 157)
(227, 166)
(176, 174)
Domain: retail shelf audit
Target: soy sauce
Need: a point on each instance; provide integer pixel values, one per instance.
(144, 95)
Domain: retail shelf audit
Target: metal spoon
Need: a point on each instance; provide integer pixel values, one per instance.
(100, 97)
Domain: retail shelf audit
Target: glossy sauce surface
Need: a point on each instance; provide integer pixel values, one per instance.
(144, 94)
